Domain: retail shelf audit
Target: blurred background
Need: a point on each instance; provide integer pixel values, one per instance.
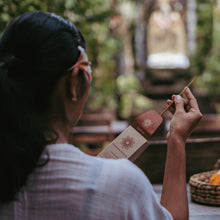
(142, 52)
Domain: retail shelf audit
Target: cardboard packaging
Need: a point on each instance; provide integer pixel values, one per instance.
(133, 140)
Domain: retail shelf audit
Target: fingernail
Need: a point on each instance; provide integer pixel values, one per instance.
(177, 97)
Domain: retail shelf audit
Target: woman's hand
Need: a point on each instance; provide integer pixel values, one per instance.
(186, 115)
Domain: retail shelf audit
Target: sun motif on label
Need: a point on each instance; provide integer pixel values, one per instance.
(127, 142)
(147, 123)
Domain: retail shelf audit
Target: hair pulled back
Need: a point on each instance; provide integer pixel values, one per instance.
(36, 49)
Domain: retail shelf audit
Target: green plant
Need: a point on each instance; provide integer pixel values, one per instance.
(131, 100)
(204, 13)
(209, 80)
(92, 19)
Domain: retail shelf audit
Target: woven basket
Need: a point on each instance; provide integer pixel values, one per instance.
(202, 191)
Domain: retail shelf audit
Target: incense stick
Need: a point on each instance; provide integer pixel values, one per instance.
(181, 93)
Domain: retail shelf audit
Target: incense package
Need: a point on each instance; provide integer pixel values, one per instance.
(134, 139)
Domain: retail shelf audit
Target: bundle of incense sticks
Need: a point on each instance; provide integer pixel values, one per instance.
(134, 139)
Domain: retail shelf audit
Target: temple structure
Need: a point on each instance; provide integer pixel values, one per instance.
(166, 39)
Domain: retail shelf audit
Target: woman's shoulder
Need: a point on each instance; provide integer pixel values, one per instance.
(120, 171)
(62, 150)
(123, 173)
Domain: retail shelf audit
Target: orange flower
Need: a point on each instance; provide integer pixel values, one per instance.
(215, 179)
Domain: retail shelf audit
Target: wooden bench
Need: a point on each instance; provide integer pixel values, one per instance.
(96, 128)
(209, 126)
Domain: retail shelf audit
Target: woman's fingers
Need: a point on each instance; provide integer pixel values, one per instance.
(192, 100)
(186, 114)
(172, 107)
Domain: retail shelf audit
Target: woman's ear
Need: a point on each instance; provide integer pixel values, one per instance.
(74, 86)
(77, 85)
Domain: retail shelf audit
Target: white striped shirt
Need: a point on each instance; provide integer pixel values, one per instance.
(73, 185)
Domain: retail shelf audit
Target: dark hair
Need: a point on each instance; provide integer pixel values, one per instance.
(36, 50)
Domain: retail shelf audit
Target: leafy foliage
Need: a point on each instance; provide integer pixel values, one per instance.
(204, 35)
(92, 19)
(208, 59)
(209, 81)
(9, 9)
(131, 100)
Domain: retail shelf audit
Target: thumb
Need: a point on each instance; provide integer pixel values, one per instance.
(179, 103)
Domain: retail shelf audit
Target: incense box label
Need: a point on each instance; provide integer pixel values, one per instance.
(134, 139)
